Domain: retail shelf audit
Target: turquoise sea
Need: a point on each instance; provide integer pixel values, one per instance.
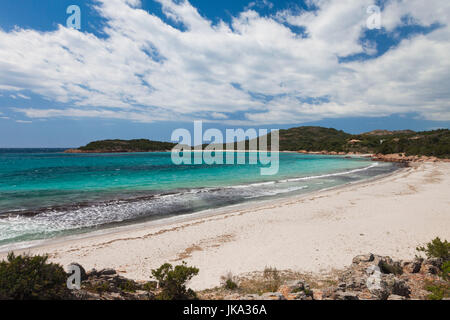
(45, 193)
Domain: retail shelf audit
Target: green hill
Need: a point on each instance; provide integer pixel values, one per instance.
(428, 143)
(140, 145)
(315, 139)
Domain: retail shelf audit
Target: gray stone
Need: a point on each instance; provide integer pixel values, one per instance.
(412, 266)
(298, 296)
(341, 295)
(107, 272)
(273, 296)
(373, 269)
(143, 295)
(297, 285)
(401, 288)
(363, 258)
(396, 297)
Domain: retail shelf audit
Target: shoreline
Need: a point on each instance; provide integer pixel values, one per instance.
(186, 217)
(315, 233)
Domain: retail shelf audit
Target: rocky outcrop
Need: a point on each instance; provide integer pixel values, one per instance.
(106, 284)
(369, 277)
(402, 158)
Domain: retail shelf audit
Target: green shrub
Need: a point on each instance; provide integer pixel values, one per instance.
(272, 279)
(438, 291)
(32, 278)
(437, 249)
(446, 270)
(231, 285)
(98, 287)
(229, 281)
(390, 269)
(128, 286)
(172, 281)
(150, 286)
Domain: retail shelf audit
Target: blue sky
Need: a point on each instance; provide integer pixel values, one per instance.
(140, 69)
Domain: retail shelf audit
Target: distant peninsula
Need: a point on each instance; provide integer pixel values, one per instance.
(434, 143)
(123, 146)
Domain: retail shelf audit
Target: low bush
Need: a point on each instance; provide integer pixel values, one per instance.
(229, 282)
(446, 271)
(438, 290)
(172, 281)
(25, 277)
(437, 249)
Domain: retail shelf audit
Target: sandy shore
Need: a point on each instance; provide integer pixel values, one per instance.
(311, 233)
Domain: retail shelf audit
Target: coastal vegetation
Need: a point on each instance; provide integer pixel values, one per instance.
(427, 143)
(117, 146)
(436, 249)
(434, 143)
(25, 277)
(172, 281)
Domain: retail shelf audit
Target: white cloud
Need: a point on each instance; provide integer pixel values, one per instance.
(147, 70)
(259, 4)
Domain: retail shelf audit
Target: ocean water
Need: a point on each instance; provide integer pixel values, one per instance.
(45, 193)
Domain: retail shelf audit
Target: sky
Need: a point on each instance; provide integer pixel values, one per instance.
(143, 68)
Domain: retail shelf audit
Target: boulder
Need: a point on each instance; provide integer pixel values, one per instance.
(345, 295)
(273, 296)
(397, 286)
(396, 297)
(363, 258)
(251, 297)
(106, 272)
(412, 266)
(431, 266)
(388, 266)
(435, 262)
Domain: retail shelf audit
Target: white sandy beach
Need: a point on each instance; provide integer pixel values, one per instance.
(312, 233)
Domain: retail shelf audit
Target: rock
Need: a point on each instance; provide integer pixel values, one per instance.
(318, 295)
(115, 296)
(401, 288)
(429, 269)
(234, 296)
(356, 283)
(396, 297)
(388, 266)
(297, 285)
(92, 273)
(341, 295)
(143, 295)
(396, 286)
(377, 286)
(296, 290)
(273, 296)
(435, 262)
(251, 297)
(363, 258)
(297, 296)
(106, 272)
(373, 269)
(342, 286)
(412, 266)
